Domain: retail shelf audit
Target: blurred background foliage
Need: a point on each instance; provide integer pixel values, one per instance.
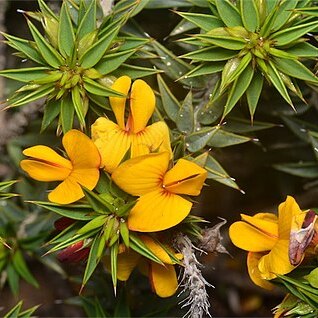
(251, 169)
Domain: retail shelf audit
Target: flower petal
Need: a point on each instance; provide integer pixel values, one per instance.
(276, 261)
(66, 192)
(42, 171)
(264, 222)
(287, 211)
(126, 262)
(157, 249)
(157, 211)
(185, 177)
(122, 85)
(47, 155)
(163, 279)
(142, 104)
(142, 174)
(81, 150)
(249, 238)
(253, 271)
(154, 138)
(86, 177)
(111, 141)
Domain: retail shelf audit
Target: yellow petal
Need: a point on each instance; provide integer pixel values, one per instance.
(286, 212)
(276, 261)
(126, 262)
(253, 271)
(122, 85)
(157, 249)
(142, 104)
(42, 171)
(86, 177)
(249, 238)
(163, 279)
(111, 141)
(68, 191)
(142, 174)
(157, 211)
(264, 222)
(185, 177)
(81, 150)
(154, 138)
(47, 155)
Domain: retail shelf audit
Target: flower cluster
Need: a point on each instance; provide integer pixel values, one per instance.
(152, 189)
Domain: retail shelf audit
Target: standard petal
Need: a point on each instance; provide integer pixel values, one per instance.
(122, 85)
(154, 138)
(42, 171)
(111, 141)
(185, 177)
(287, 211)
(157, 211)
(157, 249)
(47, 155)
(253, 271)
(264, 222)
(142, 104)
(163, 279)
(142, 174)
(86, 177)
(68, 191)
(81, 150)
(249, 238)
(276, 261)
(126, 262)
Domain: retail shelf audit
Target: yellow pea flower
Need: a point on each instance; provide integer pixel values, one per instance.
(82, 167)
(267, 238)
(114, 140)
(160, 205)
(163, 278)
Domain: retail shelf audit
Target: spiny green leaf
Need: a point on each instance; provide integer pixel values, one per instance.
(21, 267)
(87, 24)
(203, 21)
(42, 91)
(92, 260)
(51, 111)
(277, 81)
(66, 36)
(228, 13)
(250, 16)
(26, 47)
(206, 69)
(78, 104)
(129, 43)
(124, 233)
(134, 71)
(182, 26)
(111, 62)
(288, 35)
(73, 211)
(222, 138)
(14, 312)
(98, 203)
(45, 9)
(50, 55)
(198, 139)
(238, 88)
(283, 13)
(13, 278)
(295, 69)
(304, 169)
(210, 54)
(253, 92)
(113, 264)
(94, 54)
(93, 224)
(169, 101)
(25, 74)
(303, 50)
(98, 89)
(67, 113)
(225, 41)
(185, 116)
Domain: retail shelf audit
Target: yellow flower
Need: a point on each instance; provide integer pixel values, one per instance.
(160, 205)
(267, 239)
(163, 278)
(115, 140)
(82, 168)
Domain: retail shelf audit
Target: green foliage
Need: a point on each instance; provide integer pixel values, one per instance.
(18, 312)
